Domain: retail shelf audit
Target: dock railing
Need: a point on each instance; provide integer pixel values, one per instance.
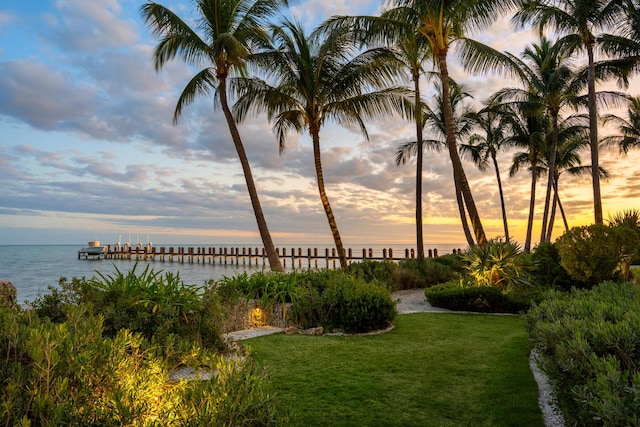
(294, 257)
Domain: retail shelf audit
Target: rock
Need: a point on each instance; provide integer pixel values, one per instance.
(8, 293)
(291, 330)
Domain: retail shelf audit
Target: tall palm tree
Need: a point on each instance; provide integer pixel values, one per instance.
(317, 78)
(444, 24)
(221, 39)
(412, 52)
(484, 146)
(579, 22)
(629, 136)
(527, 131)
(549, 88)
(433, 119)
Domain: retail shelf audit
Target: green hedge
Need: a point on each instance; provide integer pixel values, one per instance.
(590, 343)
(482, 299)
(335, 300)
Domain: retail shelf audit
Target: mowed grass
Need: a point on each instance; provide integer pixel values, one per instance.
(431, 370)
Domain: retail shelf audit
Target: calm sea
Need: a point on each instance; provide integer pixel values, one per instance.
(33, 268)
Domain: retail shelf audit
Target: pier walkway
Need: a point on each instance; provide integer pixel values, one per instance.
(294, 257)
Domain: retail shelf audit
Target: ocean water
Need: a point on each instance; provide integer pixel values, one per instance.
(32, 269)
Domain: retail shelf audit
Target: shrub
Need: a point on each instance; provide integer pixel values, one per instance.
(499, 264)
(461, 296)
(334, 300)
(382, 273)
(592, 254)
(153, 304)
(72, 373)
(547, 271)
(413, 273)
(590, 343)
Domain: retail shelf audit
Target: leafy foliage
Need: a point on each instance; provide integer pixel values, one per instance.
(499, 264)
(461, 296)
(595, 253)
(548, 271)
(335, 300)
(413, 273)
(72, 373)
(590, 342)
(383, 273)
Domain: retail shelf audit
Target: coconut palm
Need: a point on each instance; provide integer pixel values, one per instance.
(526, 131)
(549, 89)
(629, 136)
(444, 24)
(433, 120)
(579, 22)
(221, 40)
(317, 78)
(484, 146)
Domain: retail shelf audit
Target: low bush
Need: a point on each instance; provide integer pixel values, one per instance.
(383, 273)
(335, 300)
(413, 273)
(596, 253)
(153, 304)
(590, 344)
(461, 296)
(548, 271)
(72, 373)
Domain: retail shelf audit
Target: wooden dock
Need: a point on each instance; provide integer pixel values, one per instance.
(292, 257)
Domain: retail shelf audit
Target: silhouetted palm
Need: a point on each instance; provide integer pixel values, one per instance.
(629, 128)
(484, 147)
(579, 22)
(221, 41)
(317, 78)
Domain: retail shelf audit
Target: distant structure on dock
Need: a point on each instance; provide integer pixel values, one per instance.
(94, 250)
(311, 258)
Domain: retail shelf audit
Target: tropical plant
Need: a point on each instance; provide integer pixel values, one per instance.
(629, 136)
(434, 121)
(579, 22)
(484, 146)
(498, 263)
(411, 50)
(222, 39)
(549, 88)
(317, 78)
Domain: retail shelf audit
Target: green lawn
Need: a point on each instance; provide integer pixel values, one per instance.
(431, 370)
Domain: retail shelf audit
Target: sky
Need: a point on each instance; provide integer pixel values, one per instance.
(88, 149)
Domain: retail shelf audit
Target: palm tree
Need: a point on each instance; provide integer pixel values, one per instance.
(229, 29)
(443, 24)
(629, 136)
(579, 21)
(317, 78)
(526, 131)
(485, 145)
(549, 88)
(411, 51)
(433, 119)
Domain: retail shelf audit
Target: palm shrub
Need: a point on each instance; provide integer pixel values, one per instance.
(498, 263)
(629, 221)
(589, 341)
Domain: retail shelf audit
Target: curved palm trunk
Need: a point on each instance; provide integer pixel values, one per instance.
(593, 137)
(272, 254)
(532, 202)
(315, 135)
(552, 218)
(551, 167)
(463, 216)
(504, 210)
(458, 170)
(419, 234)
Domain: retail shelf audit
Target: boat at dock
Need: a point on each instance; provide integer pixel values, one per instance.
(94, 249)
